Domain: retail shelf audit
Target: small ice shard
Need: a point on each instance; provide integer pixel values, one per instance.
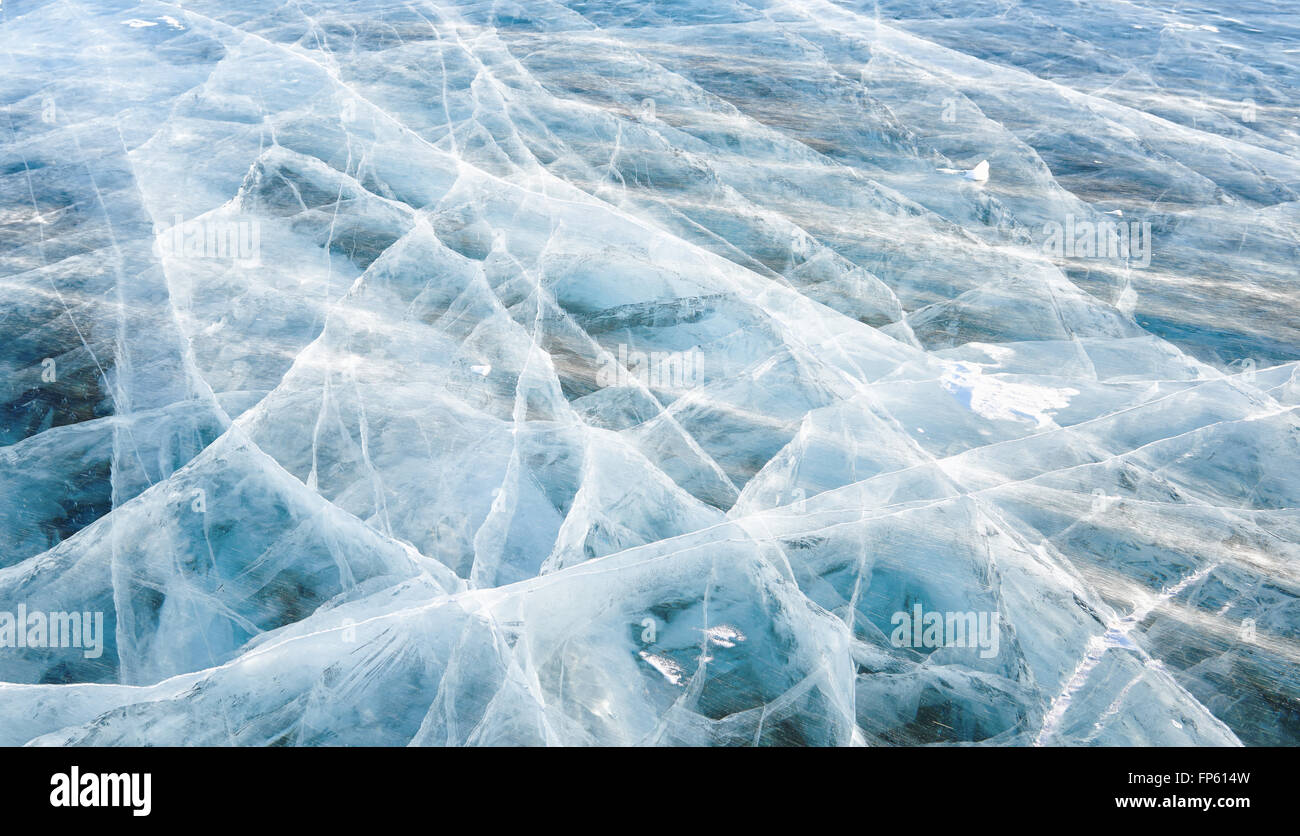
(724, 635)
(1127, 300)
(978, 174)
(671, 670)
(997, 399)
(482, 370)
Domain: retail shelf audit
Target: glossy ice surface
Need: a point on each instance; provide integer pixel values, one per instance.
(633, 372)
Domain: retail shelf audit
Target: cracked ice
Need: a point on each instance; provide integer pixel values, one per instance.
(309, 313)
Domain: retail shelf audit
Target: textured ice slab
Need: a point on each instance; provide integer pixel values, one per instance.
(449, 373)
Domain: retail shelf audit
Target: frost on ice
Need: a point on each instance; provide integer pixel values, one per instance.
(599, 373)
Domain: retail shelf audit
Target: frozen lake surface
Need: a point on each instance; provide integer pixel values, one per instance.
(623, 372)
